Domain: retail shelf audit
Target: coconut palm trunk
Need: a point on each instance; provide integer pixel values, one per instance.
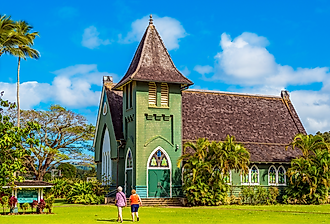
(18, 105)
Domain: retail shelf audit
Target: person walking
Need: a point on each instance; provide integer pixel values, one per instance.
(135, 202)
(120, 202)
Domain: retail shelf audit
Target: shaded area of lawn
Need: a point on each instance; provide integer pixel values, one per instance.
(222, 214)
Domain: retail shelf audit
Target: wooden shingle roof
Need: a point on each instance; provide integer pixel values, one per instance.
(152, 62)
(264, 124)
(115, 102)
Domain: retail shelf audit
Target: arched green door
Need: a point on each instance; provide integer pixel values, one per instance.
(159, 174)
(159, 183)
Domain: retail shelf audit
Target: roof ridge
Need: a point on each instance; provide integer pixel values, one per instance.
(231, 93)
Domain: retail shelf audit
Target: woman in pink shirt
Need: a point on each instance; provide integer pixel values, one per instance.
(120, 202)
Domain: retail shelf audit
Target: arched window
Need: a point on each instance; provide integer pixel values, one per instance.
(254, 173)
(152, 94)
(281, 176)
(227, 178)
(158, 159)
(129, 160)
(245, 179)
(164, 95)
(272, 175)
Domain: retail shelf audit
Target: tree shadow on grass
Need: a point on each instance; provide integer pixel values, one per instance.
(112, 220)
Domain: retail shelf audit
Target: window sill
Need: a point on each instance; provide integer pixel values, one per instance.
(155, 107)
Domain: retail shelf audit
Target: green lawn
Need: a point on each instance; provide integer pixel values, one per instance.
(223, 214)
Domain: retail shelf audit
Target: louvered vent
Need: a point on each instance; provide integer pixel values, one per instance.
(164, 95)
(152, 94)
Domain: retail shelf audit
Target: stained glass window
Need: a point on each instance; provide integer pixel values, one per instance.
(158, 159)
(281, 175)
(226, 178)
(272, 175)
(129, 162)
(254, 175)
(245, 179)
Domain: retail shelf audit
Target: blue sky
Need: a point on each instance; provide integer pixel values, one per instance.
(240, 46)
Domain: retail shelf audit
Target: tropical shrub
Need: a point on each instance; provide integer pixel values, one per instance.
(60, 188)
(41, 206)
(50, 200)
(257, 195)
(24, 206)
(309, 174)
(33, 204)
(206, 169)
(4, 202)
(12, 202)
(84, 192)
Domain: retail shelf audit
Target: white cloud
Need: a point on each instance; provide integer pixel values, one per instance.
(170, 30)
(91, 40)
(31, 93)
(246, 62)
(185, 71)
(72, 87)
(206, 69)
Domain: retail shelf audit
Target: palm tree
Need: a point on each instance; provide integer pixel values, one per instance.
(230, 155)
(7, 39)
(23, 49)
(308, 144)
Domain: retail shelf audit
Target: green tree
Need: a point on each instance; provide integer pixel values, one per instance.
(24, 50)
(229, 155)
(63, 136)
(309, 174)
(68, 170)
(12, 152)
(205, 166)
(8, 38)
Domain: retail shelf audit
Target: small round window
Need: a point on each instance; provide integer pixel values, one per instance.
(104, 108)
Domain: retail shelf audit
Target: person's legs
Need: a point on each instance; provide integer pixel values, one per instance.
(120, 213)
(132, 210)
(137, 216)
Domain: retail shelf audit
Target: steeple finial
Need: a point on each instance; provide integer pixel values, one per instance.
(150, 20)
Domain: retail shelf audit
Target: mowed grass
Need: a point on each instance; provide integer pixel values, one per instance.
(222, 214)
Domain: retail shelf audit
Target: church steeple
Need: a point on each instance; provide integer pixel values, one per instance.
(152, 62)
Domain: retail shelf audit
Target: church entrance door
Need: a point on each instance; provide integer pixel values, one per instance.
(159, 174)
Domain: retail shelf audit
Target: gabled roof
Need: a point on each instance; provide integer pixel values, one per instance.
(264, 124)
(115, 102)
(152, 62)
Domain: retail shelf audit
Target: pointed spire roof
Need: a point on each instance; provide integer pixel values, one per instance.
(152, 62)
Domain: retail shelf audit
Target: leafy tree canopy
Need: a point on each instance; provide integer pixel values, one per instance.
(12, 152)
(309, 174)
(207, 167)
(64, 135)
(67, 170)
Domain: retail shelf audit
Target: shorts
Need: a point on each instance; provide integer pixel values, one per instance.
(134, 208)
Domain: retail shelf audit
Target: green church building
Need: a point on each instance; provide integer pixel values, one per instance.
(145, 118)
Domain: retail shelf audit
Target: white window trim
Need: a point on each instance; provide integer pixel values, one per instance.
(129, 150)
(248, 183)
(230, 178)
(276, 176)
(284, 176)
(249, 175)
